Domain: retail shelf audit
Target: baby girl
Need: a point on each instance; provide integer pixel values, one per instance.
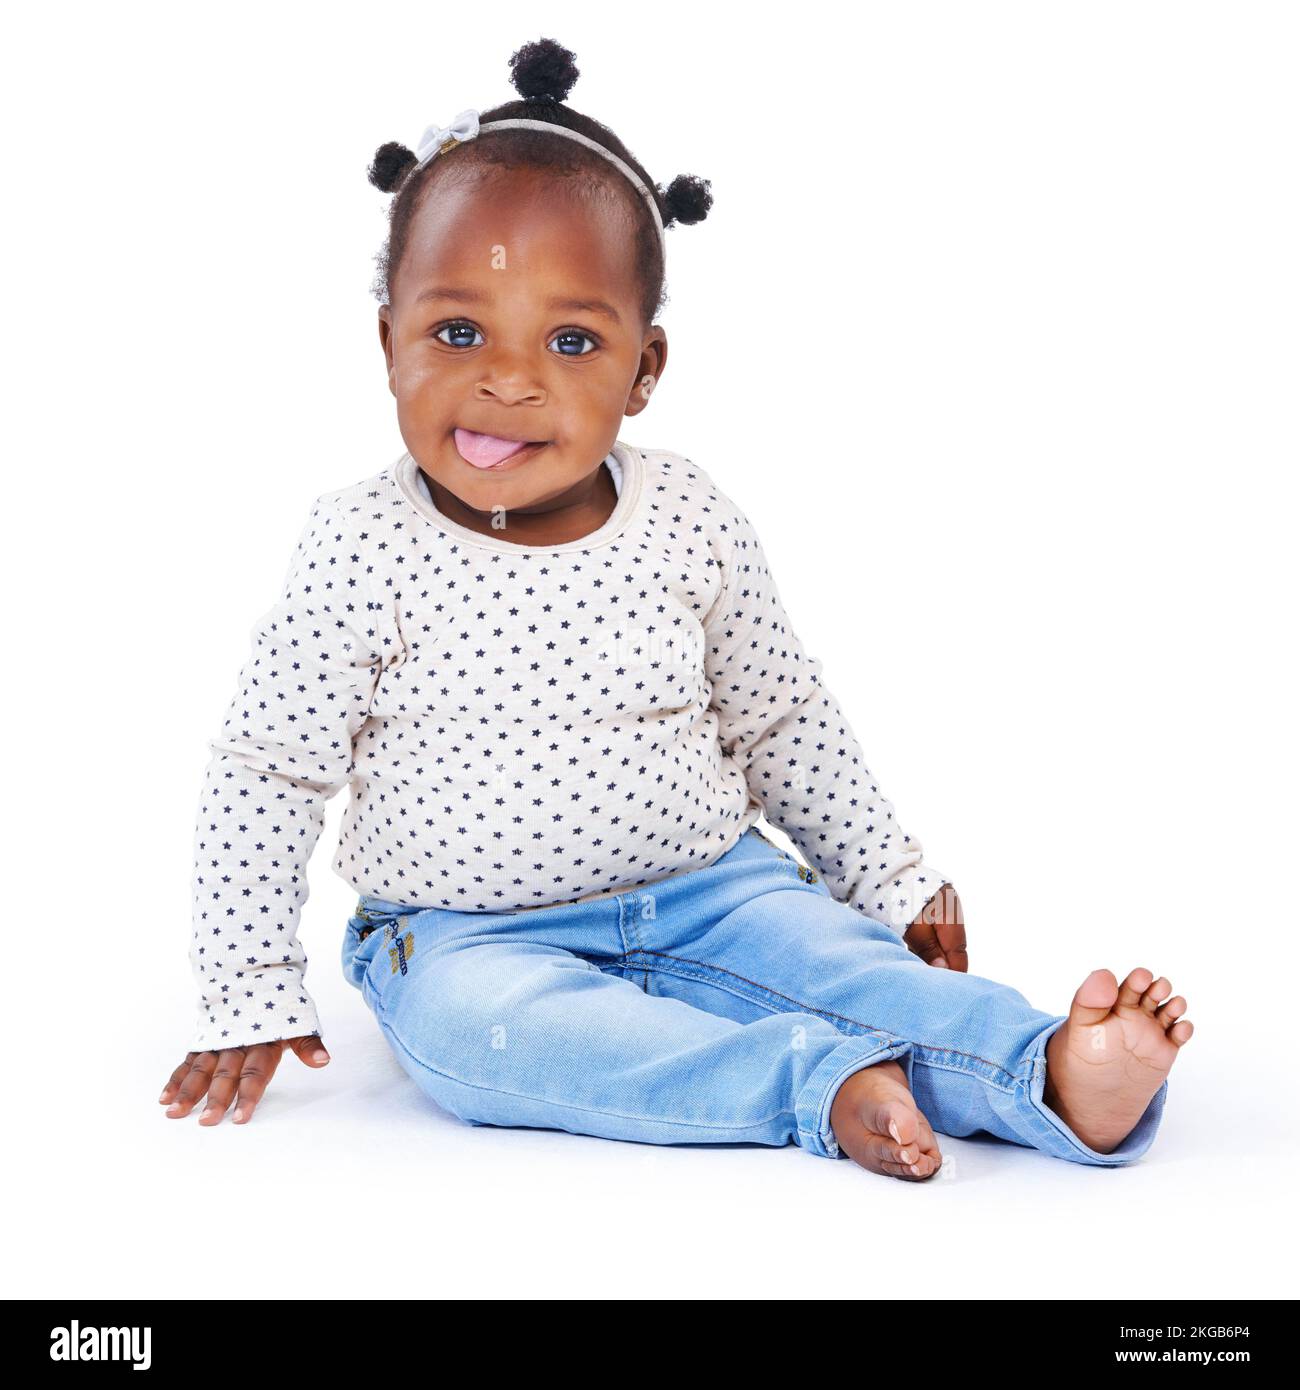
(556, 673)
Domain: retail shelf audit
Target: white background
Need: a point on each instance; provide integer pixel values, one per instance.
(994, 319)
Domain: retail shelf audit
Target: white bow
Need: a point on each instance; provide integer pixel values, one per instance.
(464, 127)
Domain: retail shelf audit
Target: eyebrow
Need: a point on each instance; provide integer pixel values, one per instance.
(466, 296)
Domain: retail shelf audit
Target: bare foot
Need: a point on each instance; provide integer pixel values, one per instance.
(1109, 1058)
(876, 1122)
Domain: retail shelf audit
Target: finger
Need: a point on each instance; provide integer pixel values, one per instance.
(310, 1050)
(175, 1079)
(193, 1085)
(945, 906)
(951, 934)
(951, 928)
(930, 951)
(225, 1082)
(259, 1067)
(952, 938)
(920, 938)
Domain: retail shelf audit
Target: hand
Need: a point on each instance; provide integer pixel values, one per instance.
(239, 1072)
(938, 935)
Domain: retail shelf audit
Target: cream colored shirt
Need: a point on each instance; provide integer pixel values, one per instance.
(519, 726)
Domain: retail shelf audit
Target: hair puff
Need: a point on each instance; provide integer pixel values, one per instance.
(543, 71)
(687, 199)
(391, 164)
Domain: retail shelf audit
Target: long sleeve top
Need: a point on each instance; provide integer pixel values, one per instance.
(519, 726)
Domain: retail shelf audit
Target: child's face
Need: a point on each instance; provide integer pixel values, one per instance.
(483, 333)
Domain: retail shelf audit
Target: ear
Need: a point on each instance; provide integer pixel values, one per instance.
(386, 342)
(650, 370)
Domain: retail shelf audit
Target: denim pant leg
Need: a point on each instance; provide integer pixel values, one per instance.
(759, 934)
(536, 1019)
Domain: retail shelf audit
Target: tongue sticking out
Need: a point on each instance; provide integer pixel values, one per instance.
(486, 450)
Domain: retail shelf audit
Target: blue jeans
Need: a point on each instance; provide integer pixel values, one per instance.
(723, 1004)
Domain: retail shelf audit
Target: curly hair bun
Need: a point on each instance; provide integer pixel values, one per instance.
(687, 199)
(543, 71)
(391, 164)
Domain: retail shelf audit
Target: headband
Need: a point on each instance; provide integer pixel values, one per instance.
(466, 126)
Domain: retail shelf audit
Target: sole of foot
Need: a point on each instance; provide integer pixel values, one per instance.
(876, 1122)
(1110, 1056)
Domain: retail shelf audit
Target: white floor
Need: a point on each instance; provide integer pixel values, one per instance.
(347, 1183)
(1008, 391)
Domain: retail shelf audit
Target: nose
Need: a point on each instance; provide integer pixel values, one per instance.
(509, 382)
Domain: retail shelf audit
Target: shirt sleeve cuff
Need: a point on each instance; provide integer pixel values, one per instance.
(220, 1032)
(901, 899)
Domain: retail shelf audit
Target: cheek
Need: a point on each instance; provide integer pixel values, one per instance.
(599, 390)
(423, 379)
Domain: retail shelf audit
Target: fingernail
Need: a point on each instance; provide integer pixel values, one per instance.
(916, 1168)
(162, 1097)
(893, 1129)
(941, 963)
(207, 1113)
(174, 1106)
(320, 1055)
(904, 1156)
(238, 1116)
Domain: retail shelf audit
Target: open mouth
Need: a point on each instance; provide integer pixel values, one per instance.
(491, 451)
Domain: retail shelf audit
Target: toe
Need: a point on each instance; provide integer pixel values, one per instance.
(1131, 991)
(911, 1172)
(1155, 992)
(881, 1150)
(1094, 998)
(1171, 1010)
(893, 1117)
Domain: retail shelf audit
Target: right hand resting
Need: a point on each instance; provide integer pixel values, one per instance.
(239, 1073)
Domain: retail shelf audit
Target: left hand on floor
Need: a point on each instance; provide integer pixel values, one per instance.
(938, 935)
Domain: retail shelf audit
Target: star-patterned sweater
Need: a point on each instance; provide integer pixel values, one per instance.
(520, 726)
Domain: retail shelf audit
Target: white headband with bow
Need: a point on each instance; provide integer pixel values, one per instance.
(466, 126)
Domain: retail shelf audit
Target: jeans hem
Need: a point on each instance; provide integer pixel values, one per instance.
(813, 1109)
(1054, 1136)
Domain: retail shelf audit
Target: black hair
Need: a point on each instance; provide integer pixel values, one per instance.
(543, 74)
